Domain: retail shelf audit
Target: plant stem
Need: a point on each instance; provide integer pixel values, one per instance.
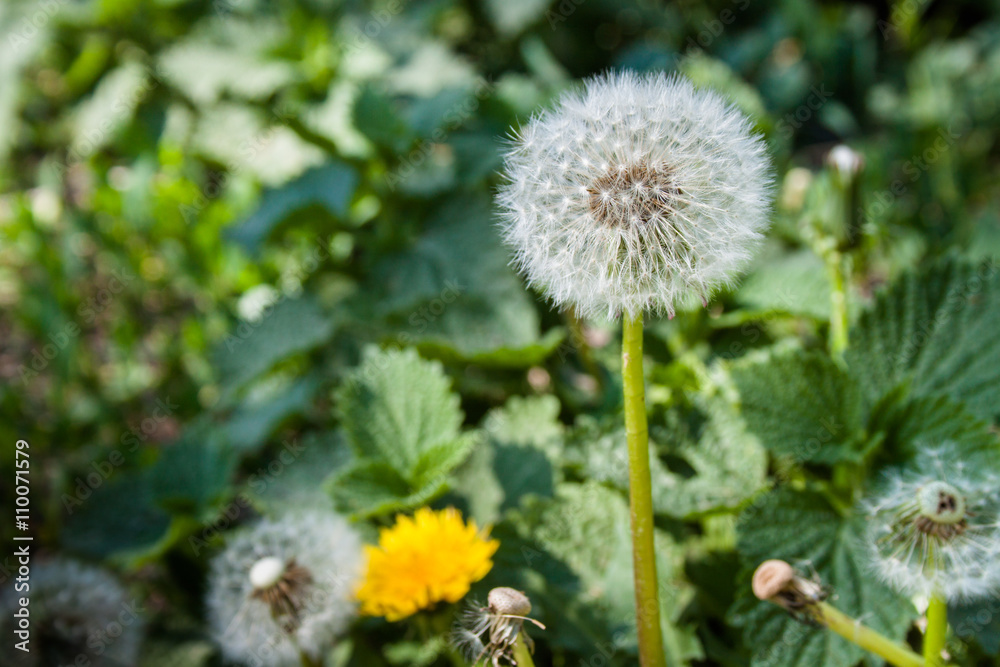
(522, 656)
(838, 303)
(647, 604)
(937, 631)
(307, 660)
(865, 637)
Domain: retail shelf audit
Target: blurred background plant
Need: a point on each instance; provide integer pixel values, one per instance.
(214, 214)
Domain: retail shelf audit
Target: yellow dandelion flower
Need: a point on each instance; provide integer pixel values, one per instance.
(421, 560)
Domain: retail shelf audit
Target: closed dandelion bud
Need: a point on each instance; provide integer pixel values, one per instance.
(78, 615)
(933, 529)
(282, 588)
(634, 195)
(491, 632)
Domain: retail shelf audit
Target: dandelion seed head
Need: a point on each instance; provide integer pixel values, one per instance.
(76, 610)
(934, 528)
(635, 194)
(282, 585)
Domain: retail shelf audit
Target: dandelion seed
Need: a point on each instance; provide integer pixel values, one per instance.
(79, 615)
(490, 632)
(933, 529)
(282, 588)
(422, 560)
(635, 194)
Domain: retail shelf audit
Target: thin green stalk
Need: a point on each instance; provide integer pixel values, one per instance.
(522, 656)
(307, 660)
(838, 303)
(853, 631)
(937, 631)
(647, 604)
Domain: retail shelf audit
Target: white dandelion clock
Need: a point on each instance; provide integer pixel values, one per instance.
(934, 531)
(283, 588)
(634, 195)
(79, 614)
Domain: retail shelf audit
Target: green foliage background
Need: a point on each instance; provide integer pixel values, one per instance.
(238, 233)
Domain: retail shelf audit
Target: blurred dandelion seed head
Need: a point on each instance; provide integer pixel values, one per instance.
(428, 558)
(934, 528)
(282, 585)
(79, 614)
(634, 195)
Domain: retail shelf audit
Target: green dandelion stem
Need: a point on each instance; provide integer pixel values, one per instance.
(838, 303)
(937, 630)
(522, 655)
(853, 631)
(641, 497)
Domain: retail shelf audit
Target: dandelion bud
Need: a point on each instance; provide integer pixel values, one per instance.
(933, 530)
(635, 194)
(772, 577)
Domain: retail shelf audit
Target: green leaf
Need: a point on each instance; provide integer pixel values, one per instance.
(909, 427)
(437, 461)
(88, 530)
(979, 620)
(803, 529)
(374, 488)
(193, 474)
(331, 187)
(454, 296)
(292, 326)
(520, 456)
(301, 482)
(376, 116)
(793, 283)
(586, 526)
(728, 466)
(801, 404)
(396, 406)
(934, 331)
(249, 426)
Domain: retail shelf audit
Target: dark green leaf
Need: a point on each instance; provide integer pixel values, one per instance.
(801, 404)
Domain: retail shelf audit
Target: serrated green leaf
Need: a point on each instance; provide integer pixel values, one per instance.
(911, 426)
(934, 331)
(728, 463)
(803, 529)
(801, 404)
(587, 527)
(396, 406)
(374, 488)
(292, 327)
(436, 461)
(330, 186)
(454, 296)
(520, 456)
